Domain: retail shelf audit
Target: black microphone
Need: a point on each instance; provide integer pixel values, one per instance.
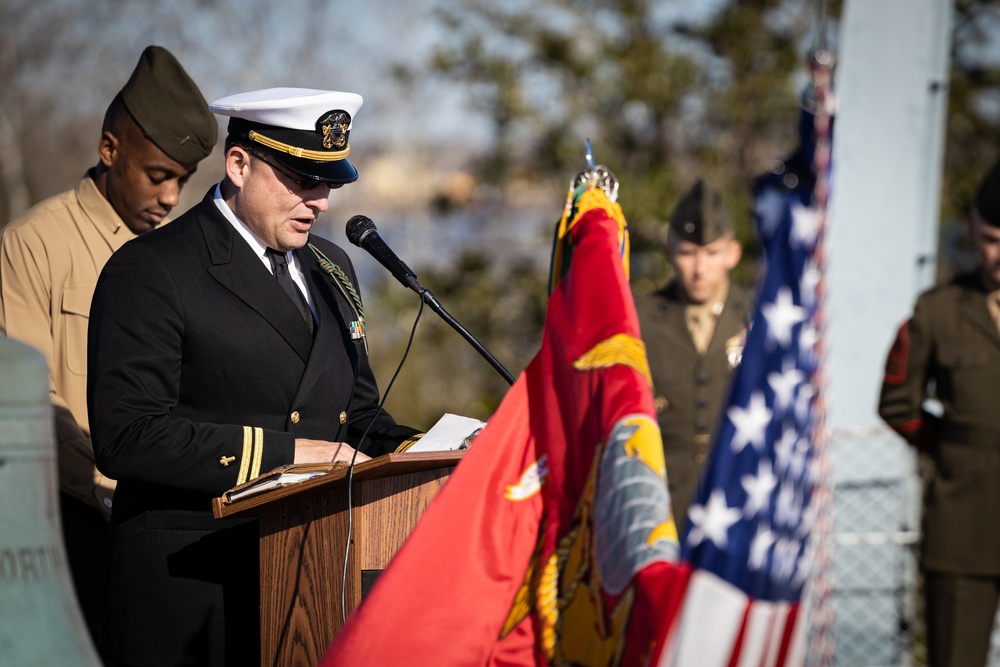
(362, 233)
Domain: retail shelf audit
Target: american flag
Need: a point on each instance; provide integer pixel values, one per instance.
(748, 539)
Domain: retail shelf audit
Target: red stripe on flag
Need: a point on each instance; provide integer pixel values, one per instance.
(738, 646)
(786, 637)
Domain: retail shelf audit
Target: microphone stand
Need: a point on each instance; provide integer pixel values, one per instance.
(428, 297)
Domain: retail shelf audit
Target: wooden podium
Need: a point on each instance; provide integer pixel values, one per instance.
(303, 538)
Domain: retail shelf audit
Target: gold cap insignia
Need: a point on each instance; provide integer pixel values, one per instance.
(334, 126)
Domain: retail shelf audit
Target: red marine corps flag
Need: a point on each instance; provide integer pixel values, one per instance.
(552, 542)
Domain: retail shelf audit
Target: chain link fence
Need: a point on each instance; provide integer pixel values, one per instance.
(877, 599)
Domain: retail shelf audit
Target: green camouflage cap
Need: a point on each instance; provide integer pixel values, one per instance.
(988, 196)
(700, 216)
(169, 108)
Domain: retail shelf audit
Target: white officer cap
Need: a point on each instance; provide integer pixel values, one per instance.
(304, 130)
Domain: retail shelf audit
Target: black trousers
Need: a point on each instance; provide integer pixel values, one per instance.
(183, 590)
(960, 611)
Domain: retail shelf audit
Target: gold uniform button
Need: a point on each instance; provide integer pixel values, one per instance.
(295, 417)
(343, 417)
(661, 403)
(699, 458)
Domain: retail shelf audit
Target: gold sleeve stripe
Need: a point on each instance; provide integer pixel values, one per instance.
(318, 156)
(619, 349)
(258, 452)
(409, 442)
(247, 451)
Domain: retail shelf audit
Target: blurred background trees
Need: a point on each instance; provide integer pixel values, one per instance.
(474, 123)
(665, 98)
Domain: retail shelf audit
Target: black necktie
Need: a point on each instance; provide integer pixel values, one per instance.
(280, 265)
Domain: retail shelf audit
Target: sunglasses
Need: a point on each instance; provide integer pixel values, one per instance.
(301, 183)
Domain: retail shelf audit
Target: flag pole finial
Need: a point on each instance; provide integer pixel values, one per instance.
(596, 173)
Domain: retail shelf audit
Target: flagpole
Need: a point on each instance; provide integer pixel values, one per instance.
(820, 616)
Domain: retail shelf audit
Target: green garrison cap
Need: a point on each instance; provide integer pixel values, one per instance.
(700, 216)
(169, 108)
(988, 196)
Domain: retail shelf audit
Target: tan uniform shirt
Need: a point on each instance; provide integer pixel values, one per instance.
(50, 258)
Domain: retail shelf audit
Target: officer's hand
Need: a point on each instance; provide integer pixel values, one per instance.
(321, 451)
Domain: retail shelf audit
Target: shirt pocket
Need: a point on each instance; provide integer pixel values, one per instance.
(967, 370)
(76, 313)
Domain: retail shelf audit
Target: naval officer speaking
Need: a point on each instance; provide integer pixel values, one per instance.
(223, 345)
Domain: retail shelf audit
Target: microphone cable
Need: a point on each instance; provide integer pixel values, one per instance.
(350, 469)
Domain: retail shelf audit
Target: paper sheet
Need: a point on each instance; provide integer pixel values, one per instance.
(451, 432)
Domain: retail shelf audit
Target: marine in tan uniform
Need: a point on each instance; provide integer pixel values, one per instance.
(694, 330)
(155, 132)
(950, 350)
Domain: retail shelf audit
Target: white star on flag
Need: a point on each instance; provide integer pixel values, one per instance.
(769, 208)
(758, 488)
(789, 507)
(797, 464)
(803, 402)
(784, 448)
(712, 521)
(811, 277)
(808, 520)
(805, 225)
(782, 315)
(784, 383)
(786, 557)
(759, 547)
(808, 338)
(750, 422)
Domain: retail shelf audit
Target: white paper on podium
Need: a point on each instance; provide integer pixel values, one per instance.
(451, 432)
